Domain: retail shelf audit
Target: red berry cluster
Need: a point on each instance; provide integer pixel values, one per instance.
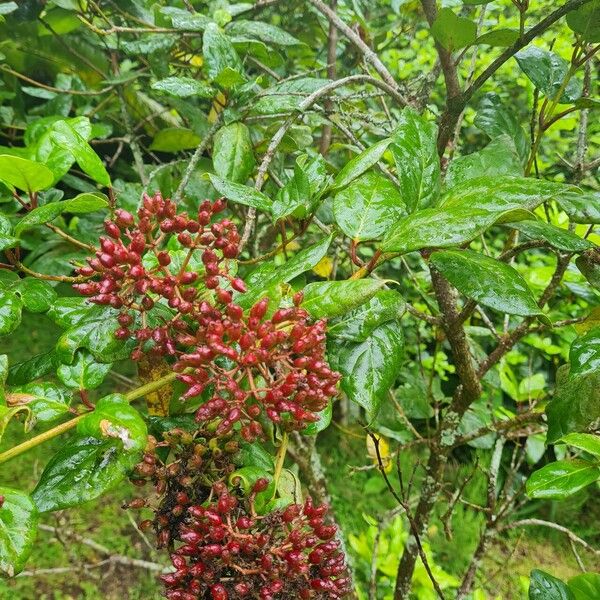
(252, 363)
(230, 552)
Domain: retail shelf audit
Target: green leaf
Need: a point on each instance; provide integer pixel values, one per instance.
(368, 207)
(18, 529)
(174, 139)
(369, 368)
(233, 155)
(87, 326)
(582, 207)
(66, 136)
(584, 441)
(327, 299)
(8, 7)
(547, 71)
(499, 157)
(562, 478)
(183, 87)
(82, 470)
(359, 164)
(3, 377)
(584, 355)
(25, 175)
(543, 586)
(453, 32)
(323, 423)
(47, 401)
(269, 275)
(270, 34)
(585, 586)
(219, 53)
(113, 417)
(294, 197)
(32, 368)
(559, 238)
(498, 37)
(384, 306)
(10, 311)
(184, 19)
(8, 413)
(37, 296)
(487, 281)
(85, 373)
(287, 95)
(589, 266)
(242, 194)
(586, 21)
(494, 119)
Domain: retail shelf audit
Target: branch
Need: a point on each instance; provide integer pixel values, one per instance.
(368, 54)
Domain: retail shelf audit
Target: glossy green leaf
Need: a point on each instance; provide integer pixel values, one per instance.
(82, 470)
(47, 401)
(368, 207)
(417, 162)
(8, 7)
(87, 326)
(25, 175)
(498, 158)
(582, 207)
(183, 87)
(585, 586)
(495, 119)
(18, 529)
(219, 53)
(3, 377)
(174, 139)
(7, 414)
(242, 194)
(184, 19)
(38, 216)
(10, 311)
(584, 355)
(584, 441)
(287, 95)
(85, 373)
(562, 478)
(294, 198)
(32, 368)
(323, 423)
(328, 299)
(233, 154)
(269, 275)
(498, 37)
(270, 34)
(113, 417)
(36, 295)
(586, 21)
(559, 238)
(359, 164)
(487, 281)
(543, 586)
(357, 325)
(547, 71)
(453, 32)
(67, 136)
(370, 368)
(254, 455)
(589, 266)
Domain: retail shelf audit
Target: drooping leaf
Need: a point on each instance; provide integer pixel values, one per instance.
(242, 194)
(543, 586)
(453, 32)
(370, 368)
(82, 470)
(359, 164)
(559, 238)
(219, 53)
(18, 529)
(184, 87)
(495, 119)
(328, 299)
(487, 281)
(547, 71)
(113, 417)
(25, 175)
(233, 155)
(357, 325)
(67, 136)
(8, 413)
(270, 275)
(417, 162)
(85, 373)
(368, 207)
(562, 478)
